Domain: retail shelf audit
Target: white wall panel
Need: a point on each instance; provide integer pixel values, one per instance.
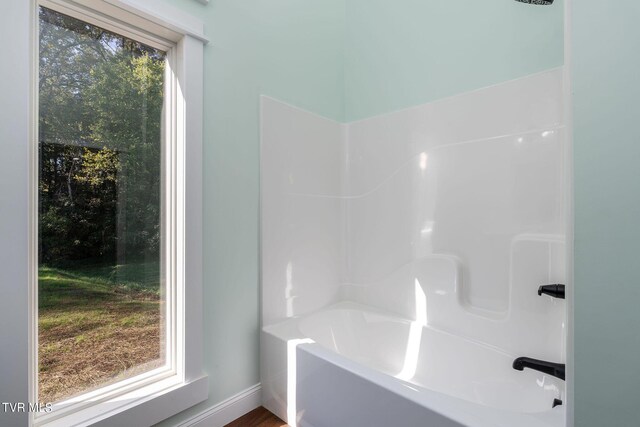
(463, 196)
(301, 210)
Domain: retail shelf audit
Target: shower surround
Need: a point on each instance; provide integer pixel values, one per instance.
(401, 257)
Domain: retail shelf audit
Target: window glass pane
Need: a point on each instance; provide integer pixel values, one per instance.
(101, 304)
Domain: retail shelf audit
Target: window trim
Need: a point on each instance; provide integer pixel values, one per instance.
(181, 383)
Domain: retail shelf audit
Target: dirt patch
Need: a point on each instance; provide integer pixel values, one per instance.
(88, 345)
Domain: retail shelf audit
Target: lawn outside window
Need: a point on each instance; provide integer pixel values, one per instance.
(161, 286)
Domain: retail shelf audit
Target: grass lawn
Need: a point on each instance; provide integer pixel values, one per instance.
(97, 324)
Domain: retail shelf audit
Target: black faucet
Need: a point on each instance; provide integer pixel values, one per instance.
(555, 369)
(556, 291)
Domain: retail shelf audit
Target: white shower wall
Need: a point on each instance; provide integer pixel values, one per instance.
(301, 210)
(460, 200)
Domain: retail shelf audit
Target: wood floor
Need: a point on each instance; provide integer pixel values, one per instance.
(258, 418)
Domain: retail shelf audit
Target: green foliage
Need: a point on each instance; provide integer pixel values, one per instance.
(101, 101)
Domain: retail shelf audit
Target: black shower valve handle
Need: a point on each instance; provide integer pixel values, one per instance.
(555, 291)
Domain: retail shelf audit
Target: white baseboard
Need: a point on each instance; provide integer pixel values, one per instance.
(226, 411)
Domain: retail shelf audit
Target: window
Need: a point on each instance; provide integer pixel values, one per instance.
(108, 96)
(102, 291)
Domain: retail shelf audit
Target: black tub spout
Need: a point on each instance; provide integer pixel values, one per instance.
(554, 369)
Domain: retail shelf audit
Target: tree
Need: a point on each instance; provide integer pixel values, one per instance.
(101, 100)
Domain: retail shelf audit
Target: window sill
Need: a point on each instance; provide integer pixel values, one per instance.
(143, 406)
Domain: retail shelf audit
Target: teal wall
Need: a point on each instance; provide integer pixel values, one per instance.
(403, 53)
(288, 49)
(606, 107)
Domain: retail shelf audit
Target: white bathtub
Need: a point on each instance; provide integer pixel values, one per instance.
(352, 365)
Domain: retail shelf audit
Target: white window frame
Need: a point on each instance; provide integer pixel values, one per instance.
(158, 394)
